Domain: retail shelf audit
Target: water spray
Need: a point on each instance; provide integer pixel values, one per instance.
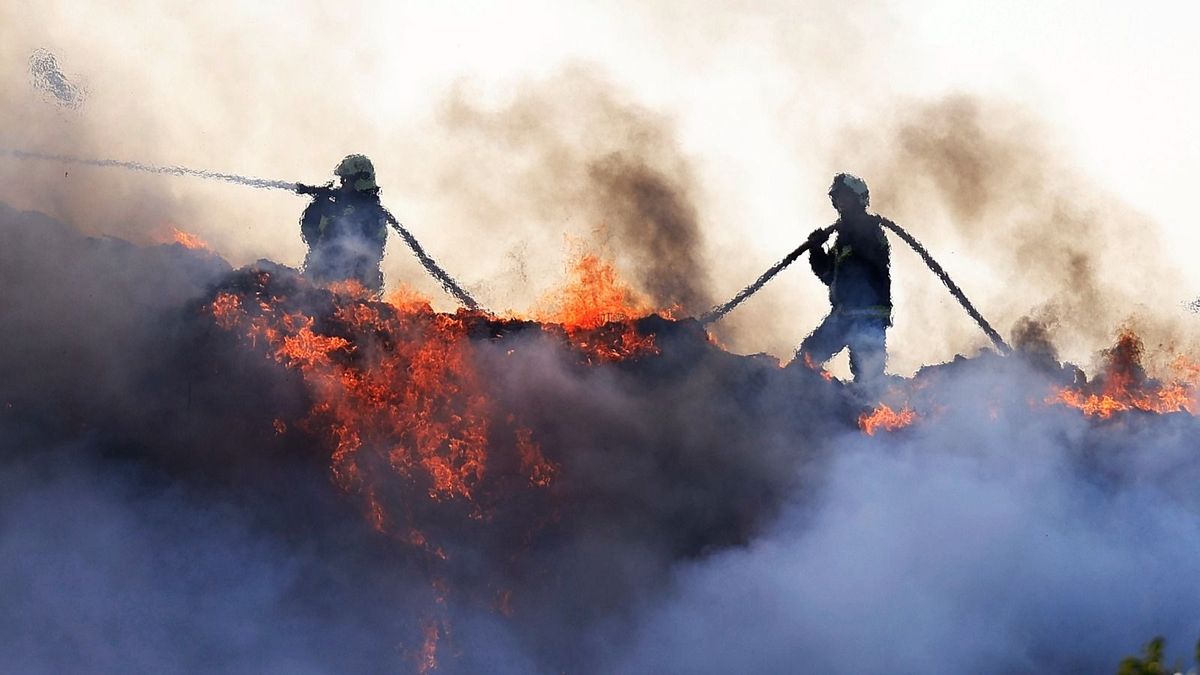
(447, 282)
(721, 310)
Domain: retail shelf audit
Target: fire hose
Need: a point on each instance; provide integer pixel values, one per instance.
(453, 288)
(720, 311)
(443, 278)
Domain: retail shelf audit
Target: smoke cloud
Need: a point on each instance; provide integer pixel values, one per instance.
(164, 507)
(570, 156)
(1032, 543)
(983, 181)
(712, 512)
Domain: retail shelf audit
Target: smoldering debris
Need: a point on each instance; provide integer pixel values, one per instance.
(47, 77)
(313, 481)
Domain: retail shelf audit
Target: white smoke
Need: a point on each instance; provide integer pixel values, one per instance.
(1024, 541)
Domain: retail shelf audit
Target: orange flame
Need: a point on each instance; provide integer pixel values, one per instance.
(188, 240)
(808, 363)
(398, 399)
(592, 297)
(596, 310)
(884, 417)
(226, 309)
(1125, 386)
(410, 404)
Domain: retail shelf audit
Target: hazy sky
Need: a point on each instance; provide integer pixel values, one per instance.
(764, 101)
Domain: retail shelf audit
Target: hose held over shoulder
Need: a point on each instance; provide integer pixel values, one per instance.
(950, 285)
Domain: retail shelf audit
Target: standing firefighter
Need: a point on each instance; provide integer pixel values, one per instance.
(855, 268)
(346, 227)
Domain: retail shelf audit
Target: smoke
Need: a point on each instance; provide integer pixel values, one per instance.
(157, 99)
(571, 155)
(981, 542)
(111, 570)
(712, 512)
(984, 181)
(142, 460)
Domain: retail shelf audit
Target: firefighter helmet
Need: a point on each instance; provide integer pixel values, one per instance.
(853, 183)
(357, 170)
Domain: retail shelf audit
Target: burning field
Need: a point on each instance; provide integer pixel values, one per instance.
(304, 479)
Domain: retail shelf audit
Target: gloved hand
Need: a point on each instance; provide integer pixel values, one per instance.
(818, 237)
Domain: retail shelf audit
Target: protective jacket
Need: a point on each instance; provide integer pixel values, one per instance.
(856, 268)
(346, 231)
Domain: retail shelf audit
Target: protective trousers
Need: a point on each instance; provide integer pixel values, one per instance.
(864, 335)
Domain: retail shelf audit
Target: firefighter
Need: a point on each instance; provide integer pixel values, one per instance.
(855, 268)
(345, 227)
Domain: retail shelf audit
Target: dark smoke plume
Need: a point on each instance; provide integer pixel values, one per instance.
(983, 177)
(569, 155)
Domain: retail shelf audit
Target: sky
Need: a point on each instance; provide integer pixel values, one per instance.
(761, 102)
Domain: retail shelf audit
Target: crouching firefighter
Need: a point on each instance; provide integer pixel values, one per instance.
(345, 227)
(855, 267)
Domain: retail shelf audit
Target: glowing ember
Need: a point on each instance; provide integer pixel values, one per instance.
(350, 288)
(428, 658)
(1124, 385)
(226, 309)
(884, 417)
(808, 363)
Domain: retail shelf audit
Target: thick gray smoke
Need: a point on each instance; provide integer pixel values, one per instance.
(989, 539)
(713, 513)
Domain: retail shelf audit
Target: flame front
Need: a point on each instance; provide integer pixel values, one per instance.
(402, 408)
(884, 417)
(397, 399)
(596, 311)
(188, 240)
(1124, 385)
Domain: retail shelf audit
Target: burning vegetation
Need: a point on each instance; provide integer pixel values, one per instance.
(883, 417)
(1124, 386)
(398, 399)
(418, 435)
(188, 240)
(465, 485)
(595, 310)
